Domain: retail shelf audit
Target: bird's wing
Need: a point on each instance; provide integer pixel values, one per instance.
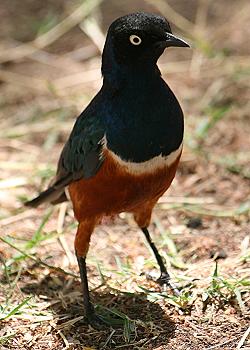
(81, 157)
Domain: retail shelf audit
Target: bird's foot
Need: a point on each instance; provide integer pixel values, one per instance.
(164, 281)
(97, 322)
(107, 319)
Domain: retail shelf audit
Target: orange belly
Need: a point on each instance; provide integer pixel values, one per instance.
(114, 190)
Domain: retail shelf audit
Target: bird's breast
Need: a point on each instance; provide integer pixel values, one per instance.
(147, 167)
(144, 131)
(122, 186)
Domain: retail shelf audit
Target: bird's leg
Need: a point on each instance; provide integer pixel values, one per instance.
(164, 278)
(142, 216)
(82, 239)
(89, 309)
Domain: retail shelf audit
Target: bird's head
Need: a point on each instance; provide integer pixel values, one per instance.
(139, 38)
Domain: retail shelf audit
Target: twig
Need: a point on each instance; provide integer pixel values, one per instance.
(64, 339)
(21, 166)
(216, 211)
(94, 32)
(109, 337)
(200, 24)
(243, 339)
(38, 261)
(186, 200)
(76, 79)
(82, 53)
(219, 345)
(69, 22)
(13, 182)
(52, 35)
(236, 17)
(59, 61)
(201, 14)
(40, 127)
(213, 90)
(61, 239)
(61, 217)
(178, 20)
(69, 323)
(18, 217)
(23, 80)
(140, 342)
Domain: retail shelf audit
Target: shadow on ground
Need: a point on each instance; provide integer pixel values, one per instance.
(141, 322)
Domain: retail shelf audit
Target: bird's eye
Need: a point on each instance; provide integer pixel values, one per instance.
(135, 39)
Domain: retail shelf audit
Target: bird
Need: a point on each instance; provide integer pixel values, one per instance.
(124, 149)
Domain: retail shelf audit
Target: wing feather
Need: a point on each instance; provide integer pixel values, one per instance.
(81, 157)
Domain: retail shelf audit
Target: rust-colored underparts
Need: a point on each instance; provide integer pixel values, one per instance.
(114, 190)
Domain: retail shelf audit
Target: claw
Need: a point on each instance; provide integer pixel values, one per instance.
(165, 279)
(97, 321)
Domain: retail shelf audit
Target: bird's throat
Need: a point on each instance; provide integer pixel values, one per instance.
(116, 73)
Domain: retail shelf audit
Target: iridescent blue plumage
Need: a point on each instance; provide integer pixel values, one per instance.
(135, 110)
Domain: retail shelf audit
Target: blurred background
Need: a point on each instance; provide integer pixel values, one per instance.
(50, 55)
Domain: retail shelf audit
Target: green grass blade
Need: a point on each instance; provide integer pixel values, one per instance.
(15, 309)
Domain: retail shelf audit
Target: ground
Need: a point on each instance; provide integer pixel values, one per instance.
(201, 225)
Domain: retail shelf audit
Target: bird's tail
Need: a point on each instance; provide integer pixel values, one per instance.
(51, 195)
(45, 196)
(54, 194)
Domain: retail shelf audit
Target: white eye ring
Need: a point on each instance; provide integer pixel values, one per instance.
(135, 39)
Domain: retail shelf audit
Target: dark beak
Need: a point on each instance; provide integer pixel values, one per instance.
(172, 40)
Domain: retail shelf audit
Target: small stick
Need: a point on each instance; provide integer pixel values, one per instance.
(64, 339)
(61, 239)
(18, 217)
(94, 32)
(39, 261)
(243, 339)
(180, 21)
(23, 80)
(52, 35)
(219, 345)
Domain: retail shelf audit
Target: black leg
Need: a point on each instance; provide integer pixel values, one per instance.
(92, 318)
(164, 277)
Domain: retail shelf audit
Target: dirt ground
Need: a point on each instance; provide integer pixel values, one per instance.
(201, 225)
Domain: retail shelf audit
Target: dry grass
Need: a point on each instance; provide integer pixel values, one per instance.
(201, 225)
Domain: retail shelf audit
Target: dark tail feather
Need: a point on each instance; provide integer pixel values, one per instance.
(50, 195)
(54, 194)
(62, 198)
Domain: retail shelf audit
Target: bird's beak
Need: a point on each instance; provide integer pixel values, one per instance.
(172, 40)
